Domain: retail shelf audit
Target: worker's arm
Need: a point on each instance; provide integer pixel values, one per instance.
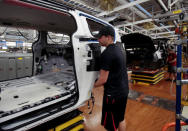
(174, 60)
(102, 78)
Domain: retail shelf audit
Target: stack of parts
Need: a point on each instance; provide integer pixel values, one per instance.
(147, 77)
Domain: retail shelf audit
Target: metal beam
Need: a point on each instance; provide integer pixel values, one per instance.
(163, 5)
(122, 7)
(170, 13)
(167, 36)
(158, 28)
(173, 3)
(130, 19)
(136, 22)
(122, 32)
(137, 11)
(128, 29)
(162, 33)
(172, 18)
(169, 6)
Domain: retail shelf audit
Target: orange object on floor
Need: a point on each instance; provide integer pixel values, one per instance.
(168, 125)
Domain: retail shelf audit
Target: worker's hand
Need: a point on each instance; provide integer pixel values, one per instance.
(95, 85)
(102, 78)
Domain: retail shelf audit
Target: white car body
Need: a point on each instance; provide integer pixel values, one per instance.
(16, 13)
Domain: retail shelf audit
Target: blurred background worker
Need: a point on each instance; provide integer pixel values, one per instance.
(171, 60)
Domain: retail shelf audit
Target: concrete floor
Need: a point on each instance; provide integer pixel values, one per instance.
(139, 116)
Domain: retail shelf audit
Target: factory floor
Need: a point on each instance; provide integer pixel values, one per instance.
(150, 110)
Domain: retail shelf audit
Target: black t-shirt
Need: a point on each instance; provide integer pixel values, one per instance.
(113, 60)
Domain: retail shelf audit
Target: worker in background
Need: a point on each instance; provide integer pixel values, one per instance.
(171, 60)
(113, 76)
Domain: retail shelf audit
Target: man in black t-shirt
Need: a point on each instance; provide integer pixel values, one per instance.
(113, 76)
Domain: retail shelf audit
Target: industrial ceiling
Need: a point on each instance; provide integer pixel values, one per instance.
(156, 18)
